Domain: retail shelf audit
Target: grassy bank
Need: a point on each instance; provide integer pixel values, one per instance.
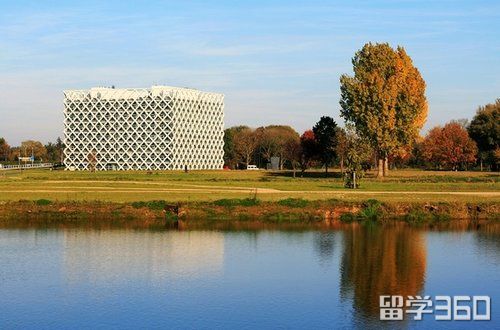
(286, 211)
(413, 196)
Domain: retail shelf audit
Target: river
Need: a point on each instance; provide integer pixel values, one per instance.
(256, 279)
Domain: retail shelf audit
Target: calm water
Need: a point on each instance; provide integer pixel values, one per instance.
(83, 278)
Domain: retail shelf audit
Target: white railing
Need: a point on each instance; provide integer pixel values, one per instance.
(25, 166)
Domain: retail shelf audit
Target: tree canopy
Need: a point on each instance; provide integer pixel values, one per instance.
(245, 143)
(4, 150)
(36, 148)
(485, 130)
(309, 148)
(449, 147)
(273, 141)
(385, 99)
(325, 134)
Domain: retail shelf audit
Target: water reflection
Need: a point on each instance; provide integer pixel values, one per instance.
(381, 261)
(324, 243)
(488, 242)
(260, 277)
(104, 256)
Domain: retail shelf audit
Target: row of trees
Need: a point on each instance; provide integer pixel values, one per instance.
(454, 146)
(50, 152)
(384, 108)
(243, 145)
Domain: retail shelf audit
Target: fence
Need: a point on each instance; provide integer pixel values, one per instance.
(25, 166)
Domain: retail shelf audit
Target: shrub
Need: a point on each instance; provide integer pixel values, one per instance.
(138, 205)
(43, 202)
(348, 217)
(294, 202)
(415, 217)
(231, 202)
(372, 210)
(152, 205)
(441, 217)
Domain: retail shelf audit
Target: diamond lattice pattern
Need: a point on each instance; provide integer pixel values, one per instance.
(143, 129)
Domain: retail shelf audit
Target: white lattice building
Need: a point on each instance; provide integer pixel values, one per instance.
(143, 129)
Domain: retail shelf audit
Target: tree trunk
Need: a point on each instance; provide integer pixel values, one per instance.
(326, 170)
(380, 168)
(481, 164)
(342, 164)
(386, 166)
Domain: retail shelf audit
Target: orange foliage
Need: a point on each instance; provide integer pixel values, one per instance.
(382, 261)
(385, 99)
(449, 146)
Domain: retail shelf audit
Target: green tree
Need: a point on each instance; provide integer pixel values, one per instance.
(342, 145)
(325, 131)
(55, 151)
(357, 157)
(51, 152)
(384, 100)
(485, 130)
(229, 152)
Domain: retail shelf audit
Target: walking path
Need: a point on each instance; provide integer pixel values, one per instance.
(248, 190)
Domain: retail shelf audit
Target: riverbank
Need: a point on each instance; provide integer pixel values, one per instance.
(285, 211)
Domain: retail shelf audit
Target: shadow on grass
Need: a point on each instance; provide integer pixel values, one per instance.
(298, 174)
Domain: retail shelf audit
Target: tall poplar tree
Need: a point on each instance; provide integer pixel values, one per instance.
(384, 100)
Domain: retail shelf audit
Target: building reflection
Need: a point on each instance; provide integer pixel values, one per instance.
(105, 256)
(381, 261)
(324, 245)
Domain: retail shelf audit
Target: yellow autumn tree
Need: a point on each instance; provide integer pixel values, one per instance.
(33, 148)
(381, 261)
(384, 100)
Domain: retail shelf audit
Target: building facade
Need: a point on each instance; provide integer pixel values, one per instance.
(161, 128)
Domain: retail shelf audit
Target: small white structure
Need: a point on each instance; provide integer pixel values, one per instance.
(162, 128)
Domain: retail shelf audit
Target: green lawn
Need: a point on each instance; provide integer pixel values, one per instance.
(403, 185)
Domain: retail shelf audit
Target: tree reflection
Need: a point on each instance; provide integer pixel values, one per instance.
(381, 261)
(488, 242)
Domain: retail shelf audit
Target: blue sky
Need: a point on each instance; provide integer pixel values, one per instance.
(276, 61)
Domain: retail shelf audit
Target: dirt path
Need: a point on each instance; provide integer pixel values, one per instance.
(228, 189)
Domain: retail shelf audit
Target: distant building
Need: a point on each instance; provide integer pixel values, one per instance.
(162, 128)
